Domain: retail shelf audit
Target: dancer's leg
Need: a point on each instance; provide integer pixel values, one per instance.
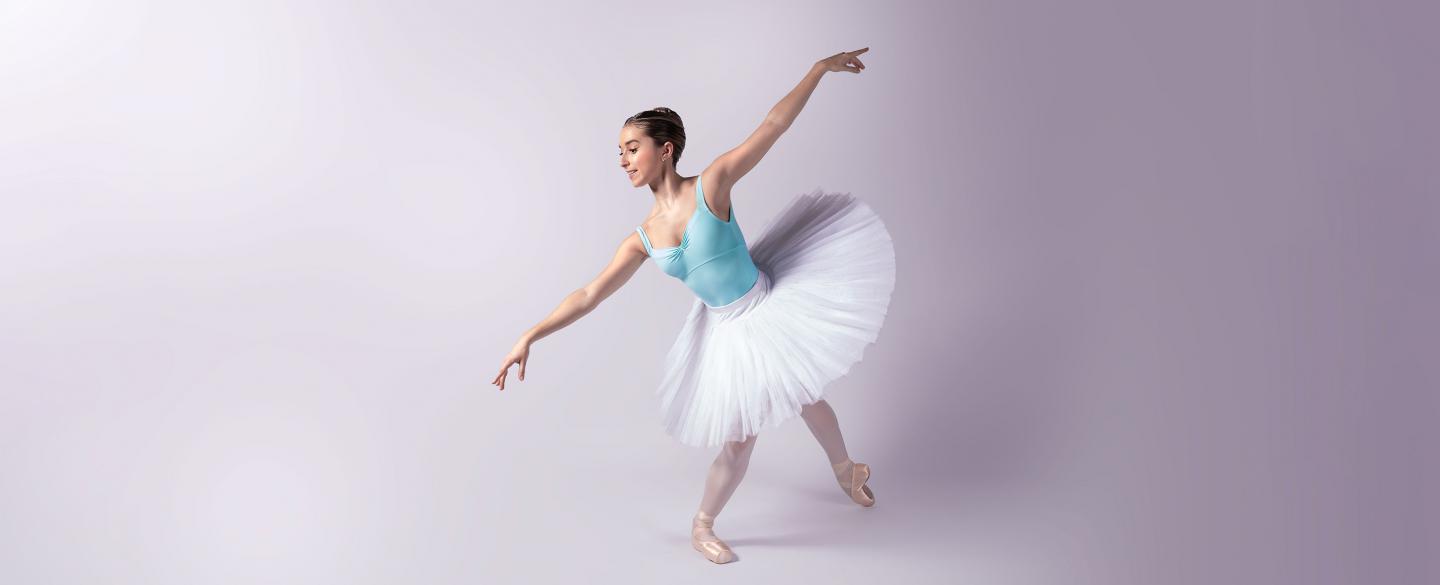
(820, 417)
(725, 475)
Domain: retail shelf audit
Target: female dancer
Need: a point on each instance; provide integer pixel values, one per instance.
(772, 323)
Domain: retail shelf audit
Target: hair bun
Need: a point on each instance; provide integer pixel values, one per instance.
(662, 125)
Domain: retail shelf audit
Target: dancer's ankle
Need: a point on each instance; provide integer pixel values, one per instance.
(702, 527)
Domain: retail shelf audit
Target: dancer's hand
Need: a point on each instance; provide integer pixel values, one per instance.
(520, 354)
(846, 61)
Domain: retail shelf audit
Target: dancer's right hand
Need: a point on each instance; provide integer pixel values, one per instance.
(520, 354)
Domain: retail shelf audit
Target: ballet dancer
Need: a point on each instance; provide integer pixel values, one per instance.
(772, 323)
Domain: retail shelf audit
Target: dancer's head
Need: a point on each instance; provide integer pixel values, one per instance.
(650, 144)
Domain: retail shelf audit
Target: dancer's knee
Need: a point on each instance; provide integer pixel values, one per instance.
(739, 449)
(819, 407)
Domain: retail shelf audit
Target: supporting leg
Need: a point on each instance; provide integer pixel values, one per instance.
(725, 475)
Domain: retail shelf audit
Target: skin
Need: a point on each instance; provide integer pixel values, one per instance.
(673, 207)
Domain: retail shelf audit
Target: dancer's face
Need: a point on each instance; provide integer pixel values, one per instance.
(639, 157)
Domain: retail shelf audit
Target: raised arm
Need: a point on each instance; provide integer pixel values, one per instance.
(628, 258)
(729, 167)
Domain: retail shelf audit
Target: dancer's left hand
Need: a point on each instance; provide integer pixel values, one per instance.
(847, 61)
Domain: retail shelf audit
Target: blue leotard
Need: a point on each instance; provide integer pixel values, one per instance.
(712, 258)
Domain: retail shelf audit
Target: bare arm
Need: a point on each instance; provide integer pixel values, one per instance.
(729, 167)
(628, 259)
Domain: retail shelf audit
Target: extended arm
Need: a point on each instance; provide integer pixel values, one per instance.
(729, 167)
(785, 112)
(628, 258)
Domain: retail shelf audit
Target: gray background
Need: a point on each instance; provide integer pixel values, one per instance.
(1164, 310)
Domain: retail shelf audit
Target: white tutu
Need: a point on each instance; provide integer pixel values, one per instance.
(827, 268)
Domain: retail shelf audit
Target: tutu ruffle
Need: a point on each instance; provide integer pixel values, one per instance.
(827, 270)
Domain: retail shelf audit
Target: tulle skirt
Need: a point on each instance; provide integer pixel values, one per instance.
(827, 269)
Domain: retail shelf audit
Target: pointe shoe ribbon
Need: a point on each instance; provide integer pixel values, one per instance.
(716, 551)
(854, 482)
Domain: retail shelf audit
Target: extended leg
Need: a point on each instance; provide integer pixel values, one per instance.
(725, 475)
(851, 476)
(820, 417)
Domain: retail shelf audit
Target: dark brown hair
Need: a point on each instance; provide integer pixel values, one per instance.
(661, 125)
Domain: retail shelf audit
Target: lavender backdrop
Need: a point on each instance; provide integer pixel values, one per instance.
(1164, 313)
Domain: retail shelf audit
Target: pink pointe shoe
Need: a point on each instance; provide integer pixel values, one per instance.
(702, 537)
(852, 477)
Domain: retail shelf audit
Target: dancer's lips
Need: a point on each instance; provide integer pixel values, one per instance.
(631, 173)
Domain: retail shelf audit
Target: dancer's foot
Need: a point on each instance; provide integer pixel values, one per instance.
(702, 537)
(852, 477)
